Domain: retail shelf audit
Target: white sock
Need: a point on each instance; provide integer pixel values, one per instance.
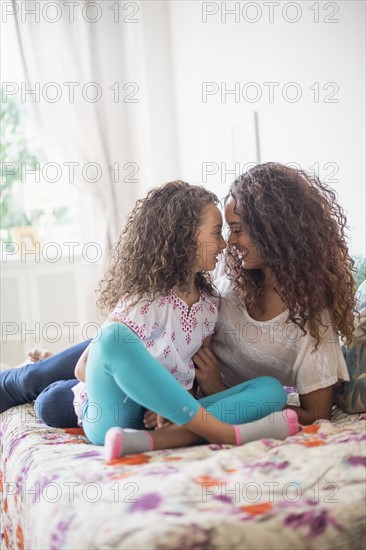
(120, 442)
(278, 425)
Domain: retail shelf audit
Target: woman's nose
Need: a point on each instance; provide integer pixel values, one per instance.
(232, 239)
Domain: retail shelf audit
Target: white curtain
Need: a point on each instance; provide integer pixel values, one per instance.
(75, 61)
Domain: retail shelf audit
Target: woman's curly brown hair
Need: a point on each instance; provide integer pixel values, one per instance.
(157, 248)
(299, 229)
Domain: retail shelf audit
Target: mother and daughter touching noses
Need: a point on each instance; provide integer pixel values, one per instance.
(204, 356)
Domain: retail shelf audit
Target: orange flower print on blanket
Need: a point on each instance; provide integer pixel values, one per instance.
(207, 480)
(256, 509)
(312, 442)
(20, 538)
(6, 538)
(75, 431)
(312, 429)
(130, 460)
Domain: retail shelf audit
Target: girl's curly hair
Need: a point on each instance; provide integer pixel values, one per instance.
(157, 248)
(298, 228)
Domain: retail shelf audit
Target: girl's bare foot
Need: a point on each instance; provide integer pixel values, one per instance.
(36, 354)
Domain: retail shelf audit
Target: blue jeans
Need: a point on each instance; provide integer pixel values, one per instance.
(49, 382)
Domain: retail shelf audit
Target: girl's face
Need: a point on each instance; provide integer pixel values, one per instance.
(240, 239)
(210, 239)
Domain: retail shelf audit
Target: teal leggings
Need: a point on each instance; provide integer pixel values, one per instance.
(124, 380)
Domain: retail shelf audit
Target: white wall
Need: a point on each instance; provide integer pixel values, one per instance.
(304, 132)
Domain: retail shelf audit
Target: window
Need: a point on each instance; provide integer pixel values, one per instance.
(38, 203)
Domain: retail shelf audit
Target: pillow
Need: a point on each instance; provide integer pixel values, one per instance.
(351, 396)
(360, 265)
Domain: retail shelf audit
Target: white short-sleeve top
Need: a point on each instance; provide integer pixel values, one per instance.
(247, 348)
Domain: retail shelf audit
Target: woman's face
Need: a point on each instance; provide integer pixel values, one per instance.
(240, 239)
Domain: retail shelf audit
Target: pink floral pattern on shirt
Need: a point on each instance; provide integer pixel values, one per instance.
(166, 320)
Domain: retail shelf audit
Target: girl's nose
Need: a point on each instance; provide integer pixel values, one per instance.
(223, 243)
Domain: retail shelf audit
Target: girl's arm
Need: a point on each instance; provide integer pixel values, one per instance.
(81, 365)
(315, 405)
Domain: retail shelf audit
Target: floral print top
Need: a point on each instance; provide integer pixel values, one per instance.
(170, 330)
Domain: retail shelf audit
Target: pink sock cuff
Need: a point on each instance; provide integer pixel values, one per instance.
(238, 439)
(292, 421)
(151, 441)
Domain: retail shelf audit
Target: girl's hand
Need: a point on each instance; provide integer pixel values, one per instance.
(162, 422)
(208, 371)
(153, 420)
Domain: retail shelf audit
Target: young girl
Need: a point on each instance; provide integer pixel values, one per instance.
(163, 306)
(289, 285)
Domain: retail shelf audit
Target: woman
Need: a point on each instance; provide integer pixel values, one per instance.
(289, 290)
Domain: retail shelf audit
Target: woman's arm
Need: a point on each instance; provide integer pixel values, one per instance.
(315, 405)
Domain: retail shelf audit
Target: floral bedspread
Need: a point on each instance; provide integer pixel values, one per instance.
(306, 492)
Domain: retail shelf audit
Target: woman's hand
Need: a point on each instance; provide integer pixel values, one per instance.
(208, 371)
(153, 420)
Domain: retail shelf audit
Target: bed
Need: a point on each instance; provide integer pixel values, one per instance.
(302, 493)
